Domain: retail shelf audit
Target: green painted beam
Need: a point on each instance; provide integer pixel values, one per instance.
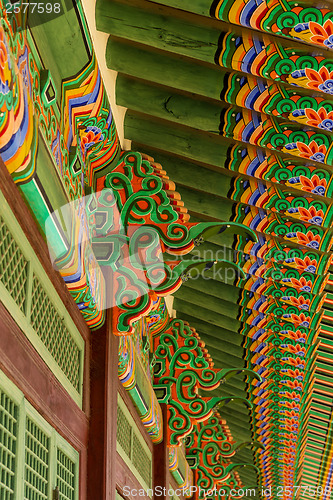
(207, 205)
(228, 390)
(226, 274)
(211, 251)
(242, 425)
(239, 432)
(166, 103)
(221, 345)
(237, 418)
(173, 70)
(215, 304)
(193, 144)
(235, 386)
(212, 330)
(201, 7)
(234, 354)
(241, 411)
(221, 245)
(167, 29)
(215, 289)
(189, 111)
(243, 455)
(205, 314)
(158, 27)
(176, 139)
(203, 177)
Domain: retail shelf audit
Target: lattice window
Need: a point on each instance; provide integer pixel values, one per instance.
(34, 458)
(13, 266)
(8, 438)
(29, 296)
(124, 432)
(37, 458)
(49, 326)
(132, 447)
(65, 476)
(141, 460)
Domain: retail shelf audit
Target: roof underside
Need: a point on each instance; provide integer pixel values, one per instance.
(190, 84)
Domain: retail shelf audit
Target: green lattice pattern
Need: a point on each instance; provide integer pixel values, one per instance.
(141, 461)
(65, 476)
(124, 432)
(49, 326)
(8, 436)
(13, 266)
(36, 463)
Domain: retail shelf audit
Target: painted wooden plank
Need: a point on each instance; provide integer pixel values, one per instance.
(164, 31)
(177, 71)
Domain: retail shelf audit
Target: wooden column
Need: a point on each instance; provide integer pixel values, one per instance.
(161, 474)
(103, 423)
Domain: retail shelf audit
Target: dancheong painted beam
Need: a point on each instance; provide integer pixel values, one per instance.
(233, 101)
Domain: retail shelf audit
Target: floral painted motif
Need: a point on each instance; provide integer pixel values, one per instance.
(318, 80)
(300, 320)
(309, 239)
(312, 151)
(312, 185)
(311, 215)
(319, 119)
(295, 384)
(90, 137)
(298, 336)
(285, 18)
(291, 405)
(297, 374)
(322, 35)
(314, 32)
(299, 302)
(298, 363)
(301, 285)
